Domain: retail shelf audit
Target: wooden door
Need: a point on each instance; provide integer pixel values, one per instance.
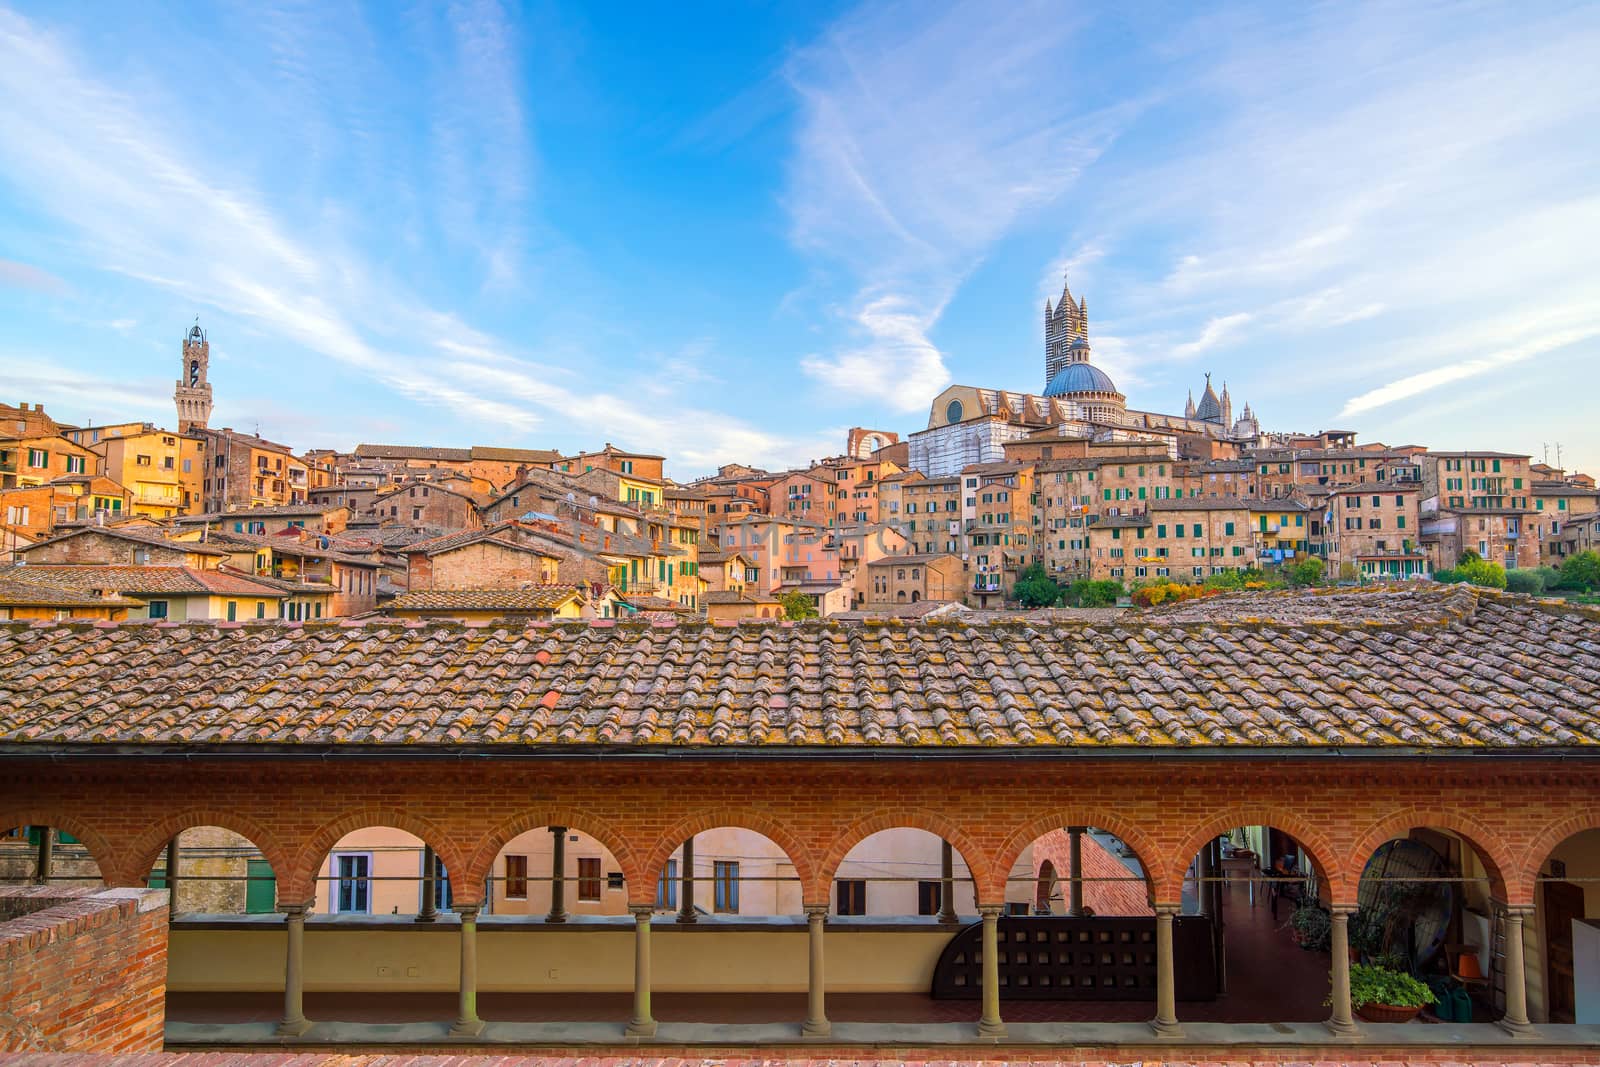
(1563, 902)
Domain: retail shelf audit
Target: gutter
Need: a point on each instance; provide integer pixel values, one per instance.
(355, 753)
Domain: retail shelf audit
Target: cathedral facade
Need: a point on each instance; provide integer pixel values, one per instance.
(968, 424)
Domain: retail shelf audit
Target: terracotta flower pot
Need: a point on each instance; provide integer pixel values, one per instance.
(1387, 1013)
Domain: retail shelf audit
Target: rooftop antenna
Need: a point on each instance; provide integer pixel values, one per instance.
(1559, 464)
(1547, 453)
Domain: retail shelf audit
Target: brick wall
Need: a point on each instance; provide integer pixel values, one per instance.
(82, 970)
(815, 808)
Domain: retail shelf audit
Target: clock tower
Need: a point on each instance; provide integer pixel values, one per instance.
(193, 394)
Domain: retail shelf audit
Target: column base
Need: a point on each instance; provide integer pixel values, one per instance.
(1515, 1029)
(293, 1027)
(995, 1030)
(818, 1028)
(556, 918)
(687, 919)
(467, 1028)
(1342, 1029)
(1165, 1029)
(640, 1029)
(427, 918)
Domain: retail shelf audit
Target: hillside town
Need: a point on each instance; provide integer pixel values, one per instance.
(1004, 501)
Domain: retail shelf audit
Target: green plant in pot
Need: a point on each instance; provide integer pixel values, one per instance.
(1312, 926)
(1383, 995)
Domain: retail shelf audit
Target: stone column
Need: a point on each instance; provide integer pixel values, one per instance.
(642, 1024)
(1340, 1022)
(294, 1021)
(817, 1024)
(172, 876)
(686, 912)
(1075, 854)
(467, 1022)
(990, 1024)
(1165, 1024)
(1515, 1021)
(45, 860)
(429, 909)
(947, 883)
(558, 875)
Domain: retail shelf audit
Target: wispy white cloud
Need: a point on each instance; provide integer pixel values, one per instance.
(1373, 188)
(1215, 332)
(26, 276)
(145, 208)
(923, 139)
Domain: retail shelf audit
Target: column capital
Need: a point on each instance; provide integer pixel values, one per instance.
(641, 912)
(1343, 910)
(991, 911)
(1167, 910)
(1516, 911)
(468, 912)
(295, 911)
(817, 911)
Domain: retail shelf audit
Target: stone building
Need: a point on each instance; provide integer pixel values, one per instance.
(244, 471)
(910, 579)
(1186, 540)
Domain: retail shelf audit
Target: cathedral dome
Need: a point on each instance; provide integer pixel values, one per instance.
(1080, 378)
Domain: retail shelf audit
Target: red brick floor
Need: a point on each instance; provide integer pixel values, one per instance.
(1270, 979)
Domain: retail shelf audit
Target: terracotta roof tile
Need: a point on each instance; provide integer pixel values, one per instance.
(532, 598)
(1428, 667)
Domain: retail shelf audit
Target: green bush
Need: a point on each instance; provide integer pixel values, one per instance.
(1448, 575)
(1581, 572)
(1304, 572)
(797, 605)
(1524, 580)
(1371, 984)
(1549, 578)
(1481, 572)
(1086, 594)
(1036, 589)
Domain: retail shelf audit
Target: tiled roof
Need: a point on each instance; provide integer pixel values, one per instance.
(282, 545)
(1427, 667)
(265, 512)
(532, 598)
(138, 535)
(135, 580)
(15, 594)
(460, 455)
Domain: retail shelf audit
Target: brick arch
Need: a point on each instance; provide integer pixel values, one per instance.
(116, 869)
(1130, 834)
(804, 860)
(299, 882)
(490, 845)
(147, 846)
(1522, 886)
(978, 860)
(1335, 886)
(1397, 824)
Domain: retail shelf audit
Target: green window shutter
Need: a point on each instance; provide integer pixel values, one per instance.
(261, 888)
(1227, 529)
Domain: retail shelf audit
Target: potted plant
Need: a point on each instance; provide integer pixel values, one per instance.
(1311, 927)
(1382, 995)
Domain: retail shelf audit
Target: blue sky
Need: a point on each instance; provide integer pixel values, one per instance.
(729, 232)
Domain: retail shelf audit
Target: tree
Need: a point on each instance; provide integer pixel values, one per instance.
(1482, 572)
(1086, 594)
(1524, 580)
(1304, 572)
(1581, 571)
(1036, 589)
(1468, 555)
(797, 605)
